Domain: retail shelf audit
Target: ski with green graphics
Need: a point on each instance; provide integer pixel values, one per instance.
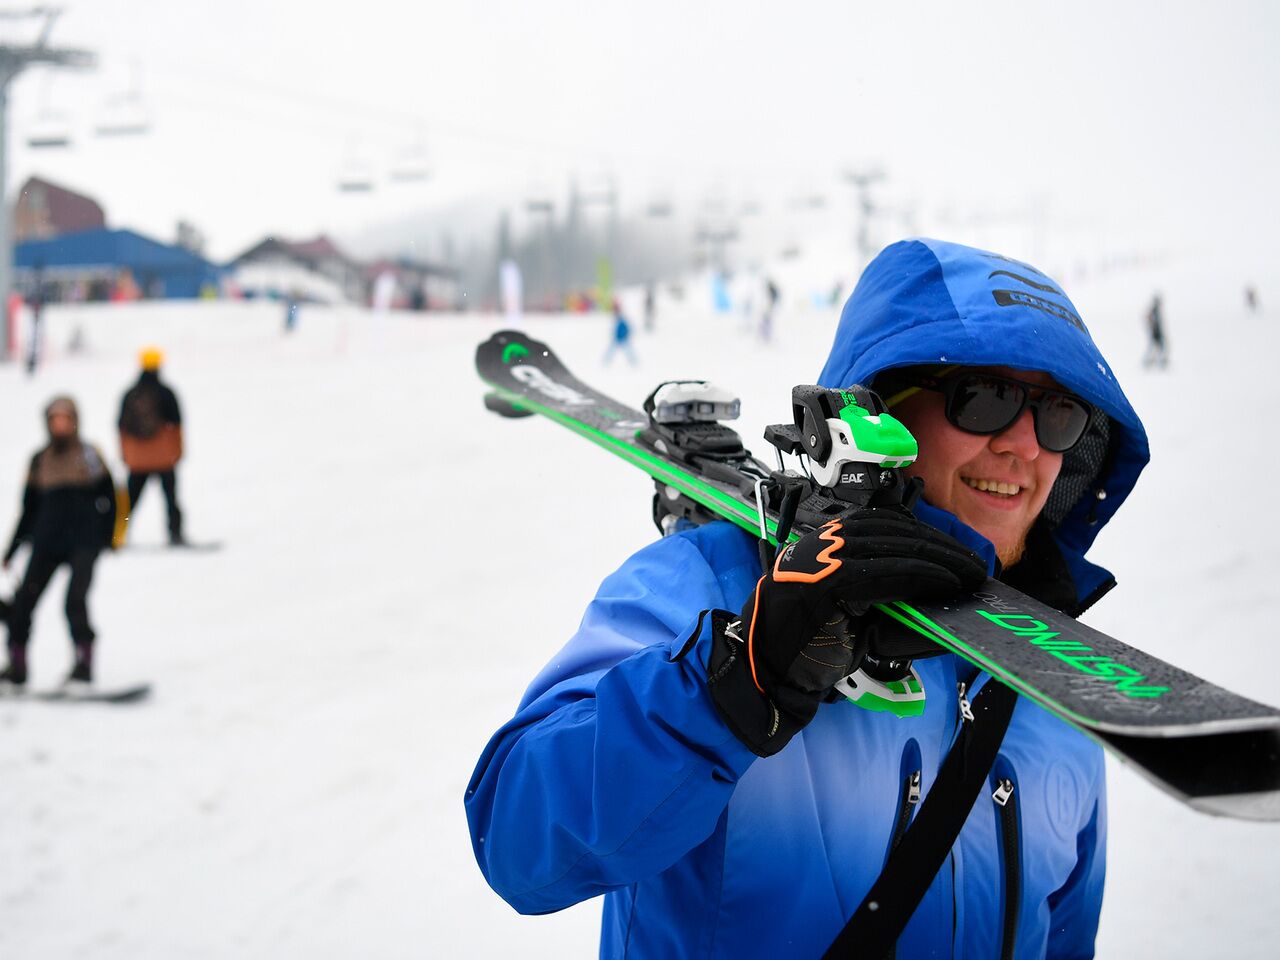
(1212, 749)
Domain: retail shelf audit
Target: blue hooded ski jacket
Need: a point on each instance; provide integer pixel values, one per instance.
(617, 776)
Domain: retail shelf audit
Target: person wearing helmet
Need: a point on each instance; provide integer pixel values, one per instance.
(68, 517)
(686, 756)
(151, 438)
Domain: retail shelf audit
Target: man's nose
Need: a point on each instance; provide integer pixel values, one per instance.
(1019, 438)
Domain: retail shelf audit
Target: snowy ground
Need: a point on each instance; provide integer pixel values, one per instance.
(325, 683)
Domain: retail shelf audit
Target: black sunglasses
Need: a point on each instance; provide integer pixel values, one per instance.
(984, 403)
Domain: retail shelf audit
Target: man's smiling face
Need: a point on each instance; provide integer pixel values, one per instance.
(998, 483)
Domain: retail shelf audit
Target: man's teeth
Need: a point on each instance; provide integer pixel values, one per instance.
(992, 486)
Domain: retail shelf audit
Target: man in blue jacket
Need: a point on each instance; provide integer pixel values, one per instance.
(683, 755)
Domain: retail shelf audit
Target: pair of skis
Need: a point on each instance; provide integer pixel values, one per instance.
(1210, 748)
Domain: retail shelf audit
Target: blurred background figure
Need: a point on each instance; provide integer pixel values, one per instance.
(511, 288)
(771, 295)
(1157, 351)
(621, 339)
(1251, 298)
(745, 288)
(720, 298)
(290, 311)
(76, 344)
(68, 516)
(650, 308)
(384, 292)
(36, 303)
(151, 438)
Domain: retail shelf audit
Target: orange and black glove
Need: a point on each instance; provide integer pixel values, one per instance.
(769, 671)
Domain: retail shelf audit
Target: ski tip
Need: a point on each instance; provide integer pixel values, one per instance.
(508, 347)
(1262, 807)
(514, 351)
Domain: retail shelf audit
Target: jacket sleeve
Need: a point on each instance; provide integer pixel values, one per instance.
(1074, 908)
(27, 520)
(617, 763)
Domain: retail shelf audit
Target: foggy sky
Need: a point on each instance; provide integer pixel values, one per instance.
(1143, 123)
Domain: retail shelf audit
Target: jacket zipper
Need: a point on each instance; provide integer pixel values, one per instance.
(910, 797)
(964, 716)
(1008, 812)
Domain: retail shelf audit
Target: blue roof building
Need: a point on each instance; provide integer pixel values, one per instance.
(158, 269)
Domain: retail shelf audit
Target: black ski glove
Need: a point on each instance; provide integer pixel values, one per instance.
(795, 640)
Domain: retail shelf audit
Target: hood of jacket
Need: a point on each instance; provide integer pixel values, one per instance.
(929, 302)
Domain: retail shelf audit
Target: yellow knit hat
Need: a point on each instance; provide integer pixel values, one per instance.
(151, 358)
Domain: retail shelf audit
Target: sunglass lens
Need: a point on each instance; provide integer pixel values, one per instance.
(979, 405)
(1061, 422)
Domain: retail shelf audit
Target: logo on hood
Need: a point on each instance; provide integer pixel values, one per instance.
(1021, 298)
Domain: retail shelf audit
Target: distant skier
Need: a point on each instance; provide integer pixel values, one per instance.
(649, 308)
(720, 298)
(68, 516)
(291, 312)
(151, 438)
(746, 287)
(771, 295)
(621, 339)
(36, 347)
(1251, 299)
(1157, 352)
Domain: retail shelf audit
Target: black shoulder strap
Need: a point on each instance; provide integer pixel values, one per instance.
(873, 930)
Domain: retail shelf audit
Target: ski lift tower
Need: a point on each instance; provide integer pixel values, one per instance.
(14, 58)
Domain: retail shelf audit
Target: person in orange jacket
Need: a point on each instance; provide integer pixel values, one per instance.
(151, 438)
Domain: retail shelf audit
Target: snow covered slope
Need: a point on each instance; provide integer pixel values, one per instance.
(326, 682)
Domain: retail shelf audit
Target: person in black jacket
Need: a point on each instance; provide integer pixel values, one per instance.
(151, 438)
(68, 516)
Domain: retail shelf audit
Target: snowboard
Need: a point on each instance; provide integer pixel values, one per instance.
(1212, 749)
(124, 694)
